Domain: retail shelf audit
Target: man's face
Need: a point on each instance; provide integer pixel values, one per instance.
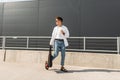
(58, 22)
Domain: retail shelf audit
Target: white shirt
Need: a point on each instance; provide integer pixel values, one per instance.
(57, 34)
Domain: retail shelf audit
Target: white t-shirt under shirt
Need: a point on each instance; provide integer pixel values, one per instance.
(59, 34)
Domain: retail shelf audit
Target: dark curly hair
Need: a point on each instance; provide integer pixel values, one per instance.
(59, 18)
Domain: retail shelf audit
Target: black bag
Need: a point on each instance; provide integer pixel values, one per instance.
(50, 57)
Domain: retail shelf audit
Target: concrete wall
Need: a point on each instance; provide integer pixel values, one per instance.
(72, 58)
(2, 55)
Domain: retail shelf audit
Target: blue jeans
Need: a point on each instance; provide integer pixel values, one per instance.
(59, 46)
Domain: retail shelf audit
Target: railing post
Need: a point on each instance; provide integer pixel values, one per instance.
(3, 43)
(118, 45)
(27, 42)
(3, 47)
(84, 43)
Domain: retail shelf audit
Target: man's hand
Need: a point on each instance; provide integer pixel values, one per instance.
(62, 32)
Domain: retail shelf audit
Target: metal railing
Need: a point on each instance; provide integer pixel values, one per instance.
(94, 44)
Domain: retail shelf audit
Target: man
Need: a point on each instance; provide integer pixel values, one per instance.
(59, 41)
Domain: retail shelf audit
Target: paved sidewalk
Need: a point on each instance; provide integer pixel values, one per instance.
(15, 71)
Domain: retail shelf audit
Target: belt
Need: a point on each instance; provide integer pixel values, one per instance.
(59, 39)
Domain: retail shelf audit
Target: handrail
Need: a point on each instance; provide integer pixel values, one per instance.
(77, 43)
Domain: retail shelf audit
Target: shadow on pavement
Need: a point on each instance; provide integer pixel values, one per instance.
(85, 70)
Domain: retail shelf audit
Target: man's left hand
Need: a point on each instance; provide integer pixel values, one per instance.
(62, 32)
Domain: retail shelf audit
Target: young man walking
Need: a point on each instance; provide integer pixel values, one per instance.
(59, 41)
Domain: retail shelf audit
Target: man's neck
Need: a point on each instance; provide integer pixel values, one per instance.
(59, 25)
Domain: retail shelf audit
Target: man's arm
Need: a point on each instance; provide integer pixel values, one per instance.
(67, 32)
(53, 34)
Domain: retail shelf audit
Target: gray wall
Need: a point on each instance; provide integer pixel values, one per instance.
(1, 18)
(20, 18)
(100, 17)
(82, 17)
